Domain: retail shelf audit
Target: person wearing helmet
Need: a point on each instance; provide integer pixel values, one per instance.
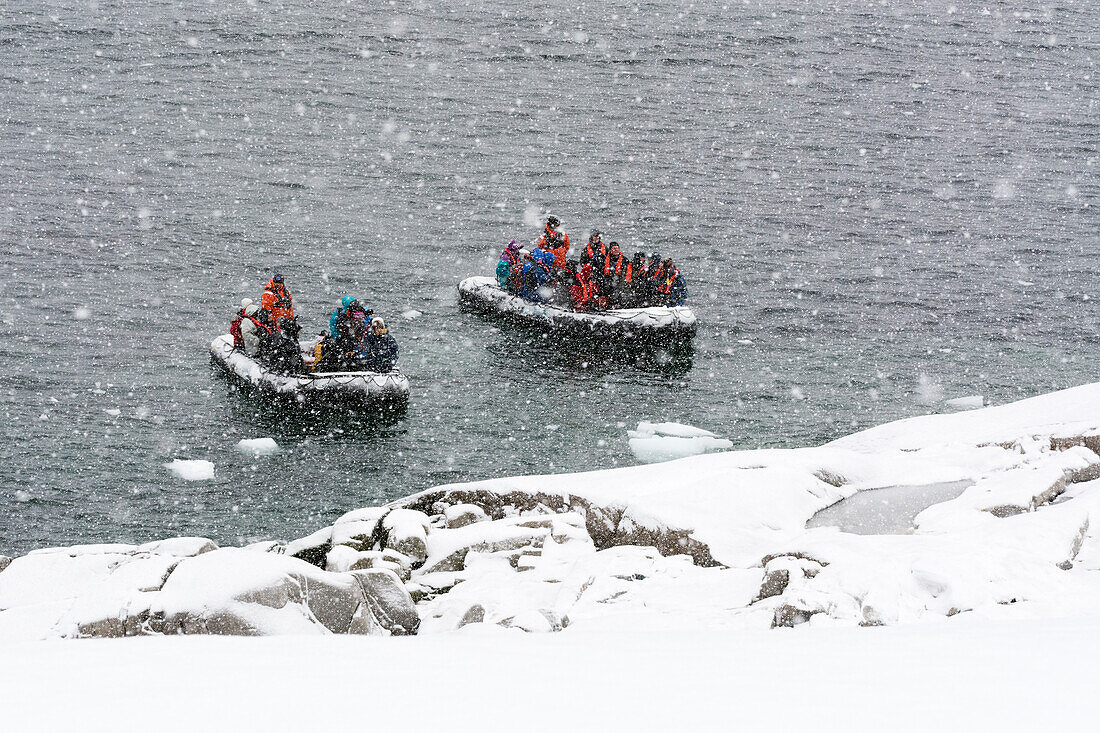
(379, 348)
(554, 241)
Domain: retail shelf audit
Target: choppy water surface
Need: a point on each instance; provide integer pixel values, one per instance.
(875, 206)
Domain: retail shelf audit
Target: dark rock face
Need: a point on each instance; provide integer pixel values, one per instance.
(4, 562)
(790, 616)
(774, 583)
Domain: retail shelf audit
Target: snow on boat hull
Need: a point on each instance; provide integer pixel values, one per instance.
(641, 326)
(353, 390)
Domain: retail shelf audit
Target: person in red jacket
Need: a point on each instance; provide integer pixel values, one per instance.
(555, 241)
(583, 291)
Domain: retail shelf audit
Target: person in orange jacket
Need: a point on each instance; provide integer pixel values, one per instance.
(276, 299)
(555, 241)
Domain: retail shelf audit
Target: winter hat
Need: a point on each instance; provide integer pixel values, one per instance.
(378, 320)
(251, 309)
(514, 246)
(245, 302)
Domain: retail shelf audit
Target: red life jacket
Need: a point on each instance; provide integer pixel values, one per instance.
(235, 331)
(235, 328)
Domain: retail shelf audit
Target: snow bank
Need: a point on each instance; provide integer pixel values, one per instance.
(191, 470)
(690, 678)
(657, 442)
(258, 446)
(718, 541)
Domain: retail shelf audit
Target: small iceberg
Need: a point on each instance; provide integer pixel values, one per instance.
(258, 446)
(667, 441)
(973, 402)
(197, 470)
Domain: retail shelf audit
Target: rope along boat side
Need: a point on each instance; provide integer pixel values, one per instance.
(655, 326)
(365, 390)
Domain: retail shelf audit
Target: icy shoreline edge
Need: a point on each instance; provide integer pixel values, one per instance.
(718, 541)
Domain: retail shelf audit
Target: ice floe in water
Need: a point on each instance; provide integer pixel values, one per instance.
(666, 441)
(258, 446)
(973, 402)
(191, 470)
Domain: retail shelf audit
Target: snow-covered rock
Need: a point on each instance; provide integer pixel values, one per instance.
(666, 441)
(359, 529)
(4, 562)
(407, 533)
(460, 515)
(258, 446)
(191, 470)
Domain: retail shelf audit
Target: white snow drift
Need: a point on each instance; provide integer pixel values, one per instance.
(717, 541)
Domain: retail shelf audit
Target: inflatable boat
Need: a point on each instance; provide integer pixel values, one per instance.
(642, 326)
(354, 390)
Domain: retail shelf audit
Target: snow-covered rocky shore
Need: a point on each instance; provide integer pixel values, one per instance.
(715, 541)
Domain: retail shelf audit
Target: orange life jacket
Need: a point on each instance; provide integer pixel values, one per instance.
(608, 269)
(276, 300)
(590, 254)
(556, 242)
(664, 286)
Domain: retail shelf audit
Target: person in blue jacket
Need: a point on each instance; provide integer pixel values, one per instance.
(536, 276)
(379, 349)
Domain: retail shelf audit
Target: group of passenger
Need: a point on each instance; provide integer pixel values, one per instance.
(357, 340)
(603, 277)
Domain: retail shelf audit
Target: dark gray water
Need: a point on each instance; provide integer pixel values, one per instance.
(875, 207)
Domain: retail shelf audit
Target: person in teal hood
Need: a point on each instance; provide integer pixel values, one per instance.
(348, 305)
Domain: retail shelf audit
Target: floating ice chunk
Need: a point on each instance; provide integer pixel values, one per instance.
(258, 446)
(411, 314)
(23, 496)
(667, 441)
(972, 402)
(673, 429)
(113, 412)
(197, 470)
(82, 314)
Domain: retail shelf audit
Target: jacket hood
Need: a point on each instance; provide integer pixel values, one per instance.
(251, 309)
(346, 301)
